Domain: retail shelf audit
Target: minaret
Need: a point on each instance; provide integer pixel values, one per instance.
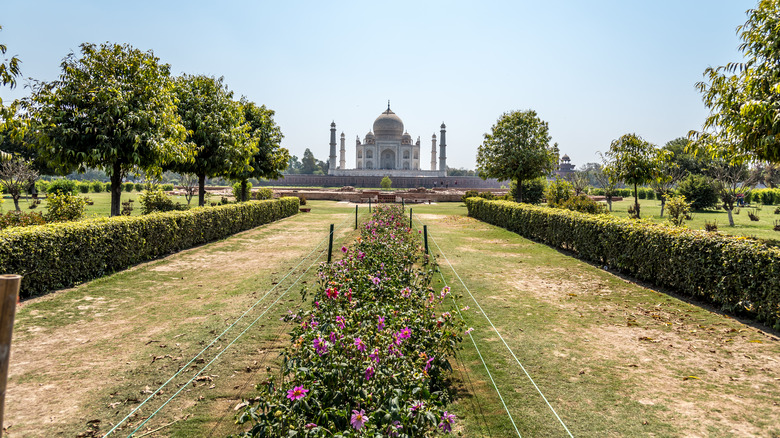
(332, 158)
(433, 152)
(443, 152)
(343, 158)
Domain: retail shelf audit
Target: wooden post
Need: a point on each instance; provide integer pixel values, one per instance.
(330, 243)
(9, 293)
(425, 237)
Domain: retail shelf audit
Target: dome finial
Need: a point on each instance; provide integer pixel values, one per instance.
(388, 104)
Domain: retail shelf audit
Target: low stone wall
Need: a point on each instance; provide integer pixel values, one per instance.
(363, 196)
(452, 182)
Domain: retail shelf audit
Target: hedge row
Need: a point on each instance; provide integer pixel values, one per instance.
(59, 255)
(736, 273)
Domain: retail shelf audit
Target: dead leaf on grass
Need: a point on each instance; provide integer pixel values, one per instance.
(691, 377)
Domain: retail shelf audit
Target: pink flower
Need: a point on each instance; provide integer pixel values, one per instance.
(333, 337)
(417, 407)
(340, 322)
(406, 333)
(375, 355)
(358, 419)
(445, 291)
(310, 426)
(369, 373)
(405, 292)
(332, 292)
(361, 346)
(446, 422)
(344, 249)
(361, 255)
(381, 325)
(471, 329)
(320, 346)
(376, 281)
(297, 393)
(428, 363)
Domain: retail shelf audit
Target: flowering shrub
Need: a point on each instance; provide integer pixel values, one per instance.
(371, 356)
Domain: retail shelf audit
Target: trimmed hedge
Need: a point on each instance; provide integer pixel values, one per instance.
(736, 273)
(60, 255)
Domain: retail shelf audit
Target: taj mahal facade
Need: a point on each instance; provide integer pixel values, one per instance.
(388, 150)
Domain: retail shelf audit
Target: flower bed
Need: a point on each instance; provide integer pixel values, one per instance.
(370, 358)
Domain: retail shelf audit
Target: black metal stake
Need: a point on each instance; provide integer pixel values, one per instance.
(369, 205)
(425, 237)
(410, 218)
(356, 207)
(330, 243)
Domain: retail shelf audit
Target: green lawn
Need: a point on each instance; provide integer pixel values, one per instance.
(100, 208)
(743, 226)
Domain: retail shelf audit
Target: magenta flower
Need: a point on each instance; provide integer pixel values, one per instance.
(375, 355)
(369, 373)
(471, 329)
(406, 333)
(446, 422)
(333, 337)
(344, 249)
(340, 322)
(381, 325)
(417, 407)
(320, 346)
(376, 281)
(445, 291)
(405, 292)
(428, 363)
(310, 426)
(332, 293)
(358, 419)
(361, 255)
(297, 393)
(361, 346)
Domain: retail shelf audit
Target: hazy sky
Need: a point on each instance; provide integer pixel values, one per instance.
(594, 69)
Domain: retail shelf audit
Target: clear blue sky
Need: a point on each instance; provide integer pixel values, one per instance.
(594, 70)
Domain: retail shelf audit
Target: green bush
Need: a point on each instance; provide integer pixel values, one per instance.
(302, 199)
(156, 200)
(237, 191)
(650, 194)
(736, 273)
(469, 194)
(97, 187)
(108, 187)
(140, 187)
(42, 186)
(533, 190)
(167, 187)
(641, 193)
(766, 196)
(583, 204)
(558, 192)
(597, 192)
(264, 193)
(83, 186)
(61, 186)
(15, 218)
(699, 191)
(65, 207)
(679, 210)
(386, 183)
(129, 186)
(55, 256)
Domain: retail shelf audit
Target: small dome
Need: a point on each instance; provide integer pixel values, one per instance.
(333, 124)
(370, 134)
(434, 136)
(443, 125)
(388, 126)
(406, 136)
(565, 158)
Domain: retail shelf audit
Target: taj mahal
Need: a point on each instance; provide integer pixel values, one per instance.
(388, 150)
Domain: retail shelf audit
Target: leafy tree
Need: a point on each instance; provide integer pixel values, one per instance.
(679, 210)
(293, 165)
(15, 177)
(699, 190)
(684, 159)
(743, 97)
(607, 182)
(668, 176)
(270, 159)
(189, 183)
(517, 148)
(113, 109)
(460, 172)
(635, 162)
(215, 127)
(768, 174)
(386, 183)
(533, 190)
(579, 181)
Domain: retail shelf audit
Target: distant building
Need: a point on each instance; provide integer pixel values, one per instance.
(387, 150)
(565, 167)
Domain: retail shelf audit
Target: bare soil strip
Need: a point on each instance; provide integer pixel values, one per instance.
(83, 358)
(613, 357)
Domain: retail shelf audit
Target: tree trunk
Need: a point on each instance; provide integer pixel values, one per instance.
(663, 204)
(16, 202)
(201, 189)
(243, 191)
(731, 218)
(636, 201)
(116, 189)
(609, 202)
(520, 190)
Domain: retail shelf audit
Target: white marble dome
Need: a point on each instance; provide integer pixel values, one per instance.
(388, 126)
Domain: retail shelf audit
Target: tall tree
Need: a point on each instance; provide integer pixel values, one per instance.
(667, 176)
(743, 97)
(215, 127)
(308, 162)
(113, 109)
(270, 159)
(16, 175)
(733, 178)
(685, 158)
(517, 148)
(635, 161)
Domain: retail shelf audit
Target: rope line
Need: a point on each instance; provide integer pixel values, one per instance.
(498, 333)
(137, 408)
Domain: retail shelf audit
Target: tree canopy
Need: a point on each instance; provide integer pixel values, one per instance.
(634, 161)
(744, 98)
(215, 128)
(270, 159)
(517, 148)
(112, 108)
